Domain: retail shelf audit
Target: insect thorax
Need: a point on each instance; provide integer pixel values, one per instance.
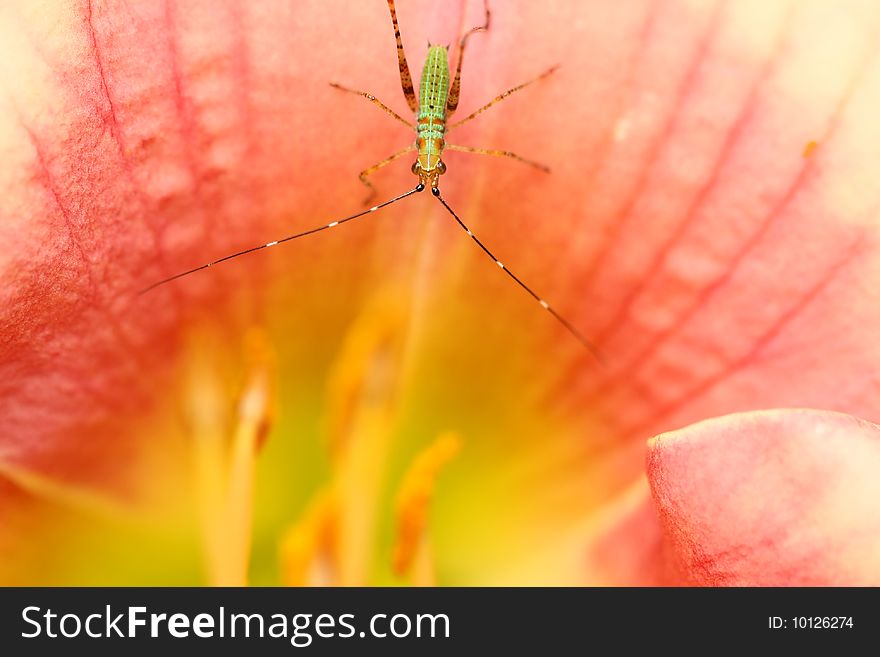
(433, 93)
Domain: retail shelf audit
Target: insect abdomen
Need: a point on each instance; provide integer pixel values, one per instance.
(433, 94)
(434, 89)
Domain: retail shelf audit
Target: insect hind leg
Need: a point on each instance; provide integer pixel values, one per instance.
(406, 82)
(455, 89)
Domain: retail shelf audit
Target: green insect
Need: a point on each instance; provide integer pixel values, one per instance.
(436, 103)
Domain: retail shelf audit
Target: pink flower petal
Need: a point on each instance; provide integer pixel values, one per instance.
(770, 498)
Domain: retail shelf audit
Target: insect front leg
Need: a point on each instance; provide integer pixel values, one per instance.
(363, 175)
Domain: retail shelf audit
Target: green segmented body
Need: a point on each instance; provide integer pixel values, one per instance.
(433, 95)
(437, 101)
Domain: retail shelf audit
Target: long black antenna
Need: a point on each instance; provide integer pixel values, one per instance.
(568, 325)
(418, 188)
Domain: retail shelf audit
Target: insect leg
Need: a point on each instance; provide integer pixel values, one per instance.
(406, 82)
(455, 89)
(592, 348)
(501, 97)
(497, 153)
(370, 97)
(371, 170)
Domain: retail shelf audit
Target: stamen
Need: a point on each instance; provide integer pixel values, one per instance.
(362, 407)
(226, 444)
(308, 551)
(254, 415)
(412, 550)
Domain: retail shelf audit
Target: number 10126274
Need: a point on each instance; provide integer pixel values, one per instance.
(810, 622)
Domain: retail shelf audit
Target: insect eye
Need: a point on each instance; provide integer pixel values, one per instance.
(441, 167)
(416, 168)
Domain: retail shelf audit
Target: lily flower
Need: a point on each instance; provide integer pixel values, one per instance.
(378, 404)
